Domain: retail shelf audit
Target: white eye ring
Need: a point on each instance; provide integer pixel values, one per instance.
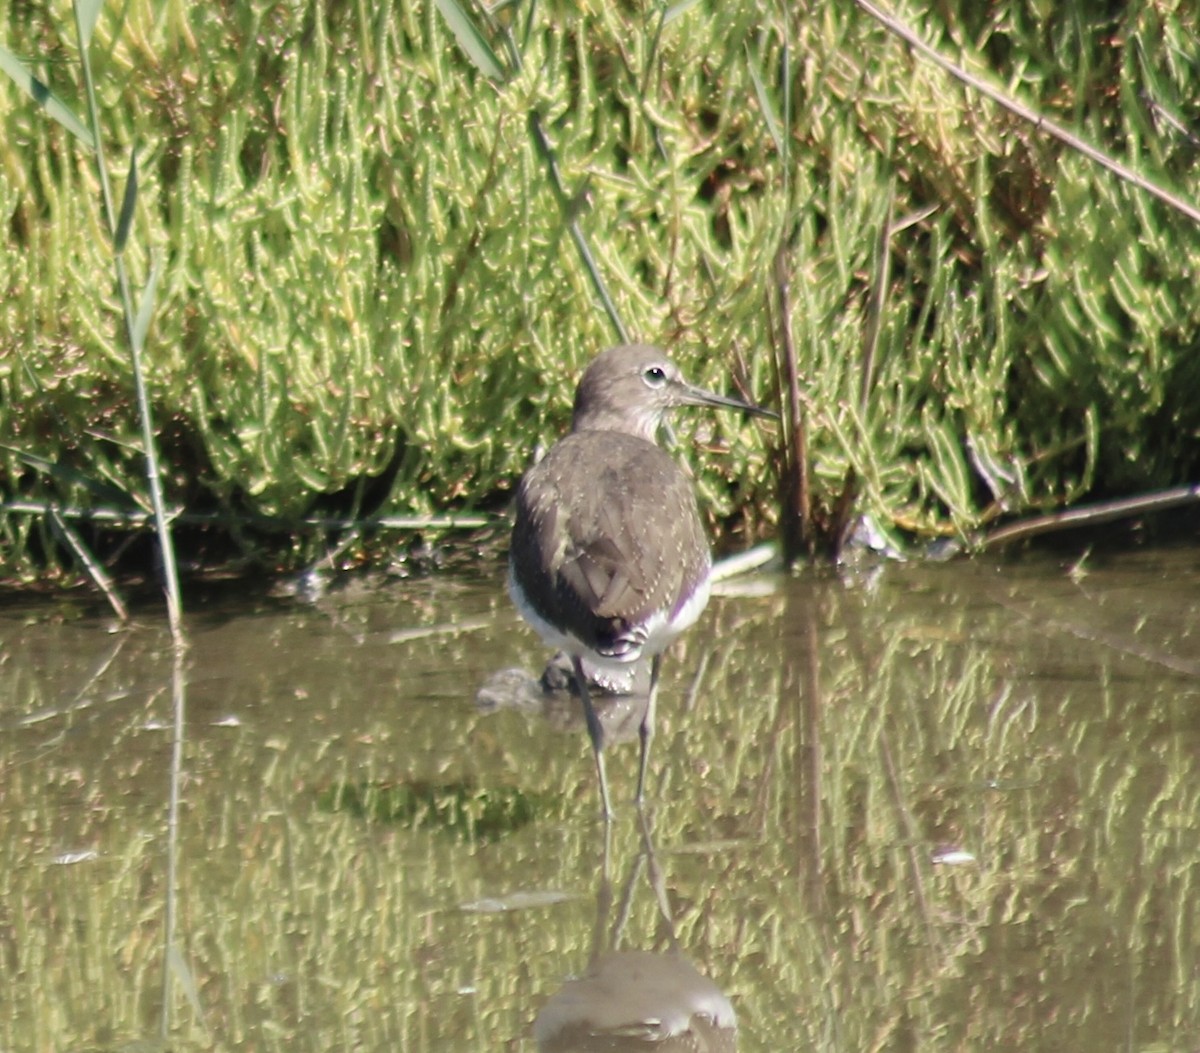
(654, 376)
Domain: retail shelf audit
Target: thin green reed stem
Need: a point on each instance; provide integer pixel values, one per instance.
(570, 209)
(162, 526)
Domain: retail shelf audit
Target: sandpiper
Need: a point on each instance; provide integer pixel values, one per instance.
(609, 560)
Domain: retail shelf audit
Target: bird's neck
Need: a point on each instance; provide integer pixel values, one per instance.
(642, 426)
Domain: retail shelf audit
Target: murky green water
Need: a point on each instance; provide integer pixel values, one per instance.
(940, 808)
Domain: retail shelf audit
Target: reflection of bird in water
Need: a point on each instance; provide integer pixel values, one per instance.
(637, 1000)
(633, 1000)
(619, 701)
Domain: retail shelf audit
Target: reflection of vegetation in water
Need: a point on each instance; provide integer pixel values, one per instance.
(456, 808)
(1015, 718)
(817, 749)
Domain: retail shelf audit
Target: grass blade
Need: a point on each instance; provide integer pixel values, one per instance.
(105, 493)
(570, 208)
(477, 49)
(764, 104)
(179, 969)
(141, 324)
(128, 203)
(89, 562)
(678, 10)
(89, 13)
(44, 97)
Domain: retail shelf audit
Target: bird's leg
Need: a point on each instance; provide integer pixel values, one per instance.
(595, 733)
(646, 730)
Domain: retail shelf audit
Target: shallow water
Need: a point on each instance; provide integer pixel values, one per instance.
(934, 807)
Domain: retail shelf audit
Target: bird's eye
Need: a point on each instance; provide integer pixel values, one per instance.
(655, 376)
